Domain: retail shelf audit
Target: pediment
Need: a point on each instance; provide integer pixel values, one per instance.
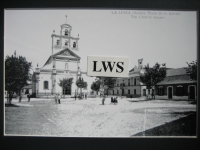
(66, 53)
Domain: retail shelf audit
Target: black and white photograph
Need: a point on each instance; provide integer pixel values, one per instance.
(124, 73)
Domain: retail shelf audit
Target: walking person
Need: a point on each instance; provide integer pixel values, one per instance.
(29, 97)
(20, 98)
(153, 96)
(116, 101)
(104, 97)
(112, 100)
(56, 98)
(59, 98)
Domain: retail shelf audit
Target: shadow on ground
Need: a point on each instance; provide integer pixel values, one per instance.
(139, 100)
(185, 126)
(11, 105)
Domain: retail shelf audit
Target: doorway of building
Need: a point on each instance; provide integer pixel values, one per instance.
(144, 92)
(67, 90)
(191, 92)
(170, 93)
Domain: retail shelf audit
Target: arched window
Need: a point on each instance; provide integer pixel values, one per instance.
(134, 81)
(66, 32)
(46, 85)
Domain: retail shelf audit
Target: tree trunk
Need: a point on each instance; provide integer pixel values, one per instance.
(7, 98)
(20, 95)
(10, 98)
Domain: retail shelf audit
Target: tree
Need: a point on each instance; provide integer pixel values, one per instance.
(191, 70)
(109, 83)
(95, 86)
(152, 76)
(81, 84)
(16, 74)
(65, 82)
(106, 82)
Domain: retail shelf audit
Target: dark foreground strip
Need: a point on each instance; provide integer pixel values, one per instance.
(185, 126)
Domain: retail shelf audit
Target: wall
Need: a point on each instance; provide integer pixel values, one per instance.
(44, 77)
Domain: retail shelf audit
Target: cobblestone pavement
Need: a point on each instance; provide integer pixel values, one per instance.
(89, 118)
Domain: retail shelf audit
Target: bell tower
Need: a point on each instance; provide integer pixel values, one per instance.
(64, 39)
(140, 63)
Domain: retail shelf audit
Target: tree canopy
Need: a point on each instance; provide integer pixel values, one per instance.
(152, 76)
(16, 74)
(96, 85)
(81, 83)
(65, 82)
(106, 82)
(191, 70)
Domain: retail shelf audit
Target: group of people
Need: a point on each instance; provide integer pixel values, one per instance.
(114, 100)
(28, 96)
(151, 96)
(57, 98)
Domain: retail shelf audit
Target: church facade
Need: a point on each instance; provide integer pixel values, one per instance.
(63, 63)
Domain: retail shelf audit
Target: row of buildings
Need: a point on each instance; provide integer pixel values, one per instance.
(65, 63)
(176, 85)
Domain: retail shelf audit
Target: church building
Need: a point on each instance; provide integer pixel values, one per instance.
(63, 63)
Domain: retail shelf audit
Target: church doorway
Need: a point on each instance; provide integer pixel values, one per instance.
(67, 90)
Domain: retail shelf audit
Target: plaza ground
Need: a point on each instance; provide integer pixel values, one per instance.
(89, 118)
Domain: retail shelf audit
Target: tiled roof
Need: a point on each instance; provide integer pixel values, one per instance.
(176, 79)
(174, 72)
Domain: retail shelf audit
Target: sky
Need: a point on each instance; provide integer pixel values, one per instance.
(156, 36)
